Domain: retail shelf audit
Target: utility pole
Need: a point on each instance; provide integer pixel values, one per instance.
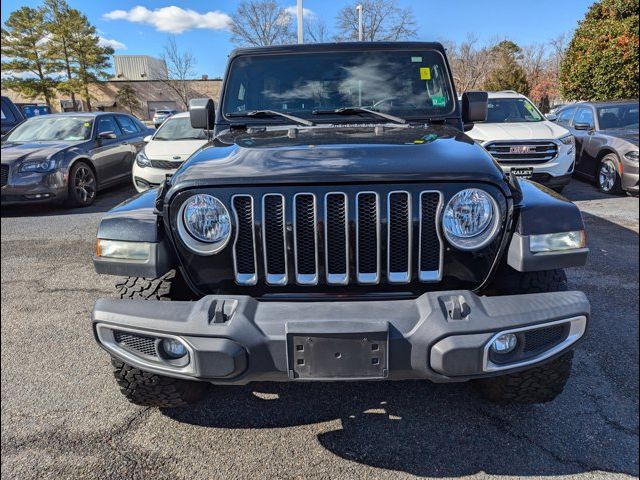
(300, 22)
(360, 32)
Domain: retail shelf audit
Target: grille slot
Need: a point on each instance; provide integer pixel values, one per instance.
(430, 253)
(523, 152)
(544, 338)
(139, 343)
(305, 239)
(399, 237)
(5, 175)
(165, 164)
(336, 239)
(275, 239)
(244, 252)
(368, 237)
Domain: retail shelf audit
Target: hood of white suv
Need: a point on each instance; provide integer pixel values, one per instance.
(176, 150)
(544, 130)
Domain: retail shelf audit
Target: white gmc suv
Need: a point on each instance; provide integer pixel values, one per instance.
(524, 142)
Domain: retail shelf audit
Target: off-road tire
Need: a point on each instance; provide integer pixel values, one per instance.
(151, 390)
(540, 384)
(511, 282)
(170, 286)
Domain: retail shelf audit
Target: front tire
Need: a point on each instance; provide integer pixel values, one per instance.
(82, 185)
(608, 178)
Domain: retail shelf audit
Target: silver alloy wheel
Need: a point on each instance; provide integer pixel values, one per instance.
(84, 183)
(607, 176)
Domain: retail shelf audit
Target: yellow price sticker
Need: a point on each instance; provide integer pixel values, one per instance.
(425, 73)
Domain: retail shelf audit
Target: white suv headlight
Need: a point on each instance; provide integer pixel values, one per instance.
(204, 224)
(568, 139)
(471, 219)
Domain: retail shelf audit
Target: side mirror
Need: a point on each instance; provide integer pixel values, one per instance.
(202, 113)
(109, 135)
(147, 139)
(583, 126)
(552, 117)
(474, 108)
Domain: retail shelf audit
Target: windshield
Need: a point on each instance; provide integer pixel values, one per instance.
(49, 128)
(512, 110)
(623, 116)
(179, 129)
(163, 112)
(403, 83)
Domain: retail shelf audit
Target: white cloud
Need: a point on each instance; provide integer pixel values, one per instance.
(110, 42)
(172, 19)
(293, 11)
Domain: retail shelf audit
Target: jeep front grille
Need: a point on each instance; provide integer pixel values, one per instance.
(337, 238)
(532, 152)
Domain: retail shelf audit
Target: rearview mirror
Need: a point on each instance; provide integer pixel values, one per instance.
(147, 139)
(109, 135)
(202, 113)
(582, 126)
(552, 117)
(474, 108)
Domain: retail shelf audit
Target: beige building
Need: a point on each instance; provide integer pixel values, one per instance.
(151, 94)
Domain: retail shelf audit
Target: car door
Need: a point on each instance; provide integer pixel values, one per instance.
(584, 117)
(133, 137)
(109, 154)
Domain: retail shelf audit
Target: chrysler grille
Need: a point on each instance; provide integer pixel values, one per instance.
(523, 152)
(306, 239)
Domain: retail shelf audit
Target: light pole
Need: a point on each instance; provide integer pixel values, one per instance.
(300, 22)
(360, 32)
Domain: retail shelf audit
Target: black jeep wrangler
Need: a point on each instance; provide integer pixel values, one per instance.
(341, 226)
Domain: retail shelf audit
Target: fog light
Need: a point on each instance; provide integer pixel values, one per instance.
(505, 343)
(174, 348)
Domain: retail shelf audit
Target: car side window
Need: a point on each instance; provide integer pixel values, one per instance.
(127, 124)
(584, 115)
(565, 116)
(7, 114)
(108, 124)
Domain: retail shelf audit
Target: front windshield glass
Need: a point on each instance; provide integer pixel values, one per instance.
(403, 83)
(623, 116)
(51, 128)
(179, 129)
(512, 110)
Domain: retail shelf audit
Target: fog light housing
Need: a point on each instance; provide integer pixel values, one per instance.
(173, 348)
(505, 343)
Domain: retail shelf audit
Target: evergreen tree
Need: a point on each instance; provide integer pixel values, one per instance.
(127, 97)
(507, 73)
(26, 56)
(602, 59)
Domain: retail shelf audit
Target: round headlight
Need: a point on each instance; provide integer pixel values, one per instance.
(470, 220)
(205, 226)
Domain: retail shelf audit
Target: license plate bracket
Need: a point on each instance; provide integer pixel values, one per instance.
(330, 356)
(522, 172)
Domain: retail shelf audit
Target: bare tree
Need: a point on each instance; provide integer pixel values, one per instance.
(381, 20)
(180, 69)
(470, 62)
(259, 23)
(315, 30)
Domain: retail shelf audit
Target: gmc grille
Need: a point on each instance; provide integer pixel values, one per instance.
(321, 247)
(523, 152)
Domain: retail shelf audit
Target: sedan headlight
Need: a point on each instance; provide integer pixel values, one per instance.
(142, 160)
(39, 166)
(204, 224)
(632, 156)
(471, 219)
(568, 139)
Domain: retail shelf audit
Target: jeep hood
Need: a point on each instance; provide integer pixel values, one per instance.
(339, 155)
(545, 130)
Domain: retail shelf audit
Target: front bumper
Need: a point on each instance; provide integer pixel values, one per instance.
(630, 177)
(145, 178)
(34, 188)
(439, 336)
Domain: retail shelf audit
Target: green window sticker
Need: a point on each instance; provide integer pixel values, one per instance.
(416, 59)
(438, 101)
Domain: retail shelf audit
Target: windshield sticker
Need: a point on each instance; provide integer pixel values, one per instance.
(438, 101)
(87, 124)
(425, 73)
(416, 59)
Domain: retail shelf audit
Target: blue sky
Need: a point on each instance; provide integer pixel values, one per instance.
(521, 21)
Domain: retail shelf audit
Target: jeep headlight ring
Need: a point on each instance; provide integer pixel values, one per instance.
(204, 224)
(471, 219)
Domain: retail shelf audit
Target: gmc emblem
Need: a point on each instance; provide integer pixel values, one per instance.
(522, 149)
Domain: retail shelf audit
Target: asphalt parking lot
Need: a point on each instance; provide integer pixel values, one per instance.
(62, 416)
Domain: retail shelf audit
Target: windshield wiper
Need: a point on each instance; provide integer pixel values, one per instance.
(352, 110)
(271, 113)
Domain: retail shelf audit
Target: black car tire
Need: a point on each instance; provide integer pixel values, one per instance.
(146, 388)
(608, 175)
(82, 185)
(541, 383)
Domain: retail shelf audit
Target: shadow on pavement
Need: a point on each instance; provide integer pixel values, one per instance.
(105, 201)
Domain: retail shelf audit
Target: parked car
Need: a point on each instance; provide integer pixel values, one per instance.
(166, 150)
(68, 156)
(606, 142)
(10, 115)
(341, 226)
(33, 110)
(160, 116)
(524, 142)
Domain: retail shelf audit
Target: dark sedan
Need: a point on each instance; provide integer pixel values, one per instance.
(606, 142)
(68, 157)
